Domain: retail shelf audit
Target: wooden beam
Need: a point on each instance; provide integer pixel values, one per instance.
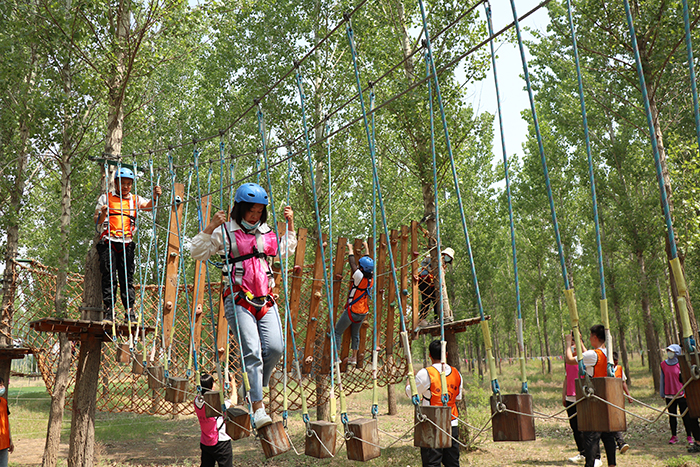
(297, 276)
(172, 264)
(200, 278)
(415, 293)
(338, 302)
(315, 304)
(390, 314)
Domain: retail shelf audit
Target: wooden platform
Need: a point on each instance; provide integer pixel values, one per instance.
(77, 328)
(14, 353)
(453, 326)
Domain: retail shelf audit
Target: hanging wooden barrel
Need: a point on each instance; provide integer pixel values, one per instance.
(596, 415)
(137, 364)
(321, 443)
(176, 390)
(123, 353)
(156, 376)
(238, 422)
(212, 403)
(508, 426)
(364, 445)
(692, 390)
(426, 434)
(274, 439)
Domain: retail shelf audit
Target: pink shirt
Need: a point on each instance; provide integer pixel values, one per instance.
(213, 428)
(672, 383)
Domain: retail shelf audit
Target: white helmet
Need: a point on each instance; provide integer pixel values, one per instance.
(449, 252)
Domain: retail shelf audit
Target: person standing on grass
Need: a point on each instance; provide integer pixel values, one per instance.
(619, 372)
(6, 444)
(569, 399)
(430, 390)
(215, 443)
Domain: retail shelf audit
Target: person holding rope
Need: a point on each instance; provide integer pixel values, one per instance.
(249, 246)
(214, 442)
(116, 213)
(429, 387)
(357, 306)
(426, 286)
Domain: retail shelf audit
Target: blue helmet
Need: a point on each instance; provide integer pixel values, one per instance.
(251, 193)
(366, 264)
(124, 173)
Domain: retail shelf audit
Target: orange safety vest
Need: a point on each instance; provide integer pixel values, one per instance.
(122, 216)
(359, 304)
(618, 372)
(4, 424)
(454, 381)
(600, 369)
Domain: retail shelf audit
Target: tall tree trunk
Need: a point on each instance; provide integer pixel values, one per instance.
(650, 333)
(539, 332)
(58, 401)
(614, 297)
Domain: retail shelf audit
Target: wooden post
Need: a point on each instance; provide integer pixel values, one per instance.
(172, 264)
(321, 443)
(82, 436)
(221, 323)
(364, 445)
(212, 404)
(380, 280)
(295, 286)
(390, 314)
(123, 353)
(199, 282)
(176, 390)
(415, 293)
(155, 376)
(509, 426)
(316, 295)
(274, 439)
(238, 423)
(427, 434)
(692, 390)
(338, 302)
(595, 415)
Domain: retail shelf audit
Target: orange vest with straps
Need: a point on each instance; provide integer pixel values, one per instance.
(4, 424)
(359, 303)
(122, 216)
(618, 372)
(600, 369)
(454, 380)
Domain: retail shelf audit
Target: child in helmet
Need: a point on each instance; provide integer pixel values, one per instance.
(116, 213)
(249, 246)
(426, 285)
(357, 305)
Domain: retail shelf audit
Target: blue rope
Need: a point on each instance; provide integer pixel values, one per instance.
(375, 340)
(524, 388)
(494, 383)
(691, 70)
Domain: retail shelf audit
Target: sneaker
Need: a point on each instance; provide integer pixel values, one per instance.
(598, 463)
(577, 459)
(673, 440)
(352, 361)
(624, 448)
(261, 419)
(690, 440)
(129, 318)
(694, 448)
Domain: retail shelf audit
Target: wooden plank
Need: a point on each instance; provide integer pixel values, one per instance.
(274, 439)
(322, 444)
(415, 293)
(200, 278)
(391, 310)
(172, 265)
(338, 301)
(315, 304)
(364, 444)
(221, 324)
(295, 287)
(596, 415)
(436, 431)
(380, 279)
(692, 390)
(513, 426)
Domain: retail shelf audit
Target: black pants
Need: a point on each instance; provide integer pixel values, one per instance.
(119, 273)
(593, 439)
(220, 452)
(427, 299)
(573, 423)
(449, 457)
(690, 424)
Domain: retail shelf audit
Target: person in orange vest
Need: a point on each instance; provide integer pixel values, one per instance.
(622, 446)
(6, 444)
(116, 213)
(596, 363)
(357, 306)
(430, 390)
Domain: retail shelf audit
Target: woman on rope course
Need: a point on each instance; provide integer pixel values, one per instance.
(251, 247)
(357, 306)
(671, 386)
(116, 212)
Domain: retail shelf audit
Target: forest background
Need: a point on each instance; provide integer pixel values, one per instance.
(146, 79)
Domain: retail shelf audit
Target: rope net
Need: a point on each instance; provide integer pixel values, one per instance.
(121, 390)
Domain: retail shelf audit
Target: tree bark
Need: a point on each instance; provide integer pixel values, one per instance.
(58, 400)
(650, 333)
(539, 332)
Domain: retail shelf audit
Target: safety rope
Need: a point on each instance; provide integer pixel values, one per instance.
(488, 343)
(375, 340)
(109, 246)
(691, 70)
(519, 319)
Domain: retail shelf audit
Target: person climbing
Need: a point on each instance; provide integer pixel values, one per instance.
(430, 389)
(214, 442)
(249, 246)
(426, 286)
(116, 214)
(357, 306)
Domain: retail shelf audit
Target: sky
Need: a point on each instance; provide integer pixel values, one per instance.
(514, 98)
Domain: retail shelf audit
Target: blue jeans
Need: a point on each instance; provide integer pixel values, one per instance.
(342, 325)
(262, 343)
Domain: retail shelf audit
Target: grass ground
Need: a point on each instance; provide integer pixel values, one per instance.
(142, 440)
